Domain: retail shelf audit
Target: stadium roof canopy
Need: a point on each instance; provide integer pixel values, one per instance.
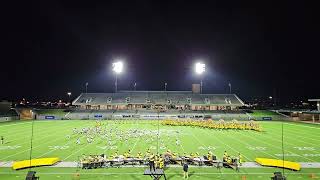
(158, 97)
(316, 100)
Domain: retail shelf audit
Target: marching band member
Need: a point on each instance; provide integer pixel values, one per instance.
(240, 159)
(151, 162)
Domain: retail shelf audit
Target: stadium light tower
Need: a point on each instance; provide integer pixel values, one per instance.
(117, 68)
(69, 94)
(200, 68)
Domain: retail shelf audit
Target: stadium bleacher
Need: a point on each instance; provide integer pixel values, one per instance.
(157, 104)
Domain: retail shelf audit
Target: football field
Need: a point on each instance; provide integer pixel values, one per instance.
(59, 139)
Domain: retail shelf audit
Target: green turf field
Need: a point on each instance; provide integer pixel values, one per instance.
(301, 144)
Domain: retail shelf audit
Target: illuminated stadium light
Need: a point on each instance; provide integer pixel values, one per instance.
(117, 67)
(69, 95)
(200, 68)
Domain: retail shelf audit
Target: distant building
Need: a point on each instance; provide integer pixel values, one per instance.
(317, 101)
(6, 112)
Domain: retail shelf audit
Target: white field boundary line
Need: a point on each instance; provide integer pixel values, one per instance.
(56, 139)
(295, 139)
(234, 150)
(242, 142)
(276, 147)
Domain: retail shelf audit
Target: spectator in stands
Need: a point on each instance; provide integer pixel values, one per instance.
(185, 170)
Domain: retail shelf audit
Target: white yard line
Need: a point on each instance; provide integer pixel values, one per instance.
(236, 151)
(43, 137)
(182, 148)
(242, 142)
(295, 139)
(43, 130)
(292, 124)
(79, 149)
(18, 123)
(40, 144)
(28, 149)
(304, 136)
(48, 152)
(276, 146)
(138, 139)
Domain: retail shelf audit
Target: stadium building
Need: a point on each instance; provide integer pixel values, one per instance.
(160, 104)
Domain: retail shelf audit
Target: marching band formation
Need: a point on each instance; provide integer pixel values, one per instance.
(110, 135)
(221, 124)
(159, 161)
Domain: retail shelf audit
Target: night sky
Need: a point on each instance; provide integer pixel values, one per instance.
(263, 48)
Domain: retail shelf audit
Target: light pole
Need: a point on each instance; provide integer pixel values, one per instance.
(117, 68)
(200, 68)
(69, 94)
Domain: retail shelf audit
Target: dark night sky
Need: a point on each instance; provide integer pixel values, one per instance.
(261, 47)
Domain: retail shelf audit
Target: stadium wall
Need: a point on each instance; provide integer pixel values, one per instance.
(9, 118)
(149, 115)
(49, 117)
